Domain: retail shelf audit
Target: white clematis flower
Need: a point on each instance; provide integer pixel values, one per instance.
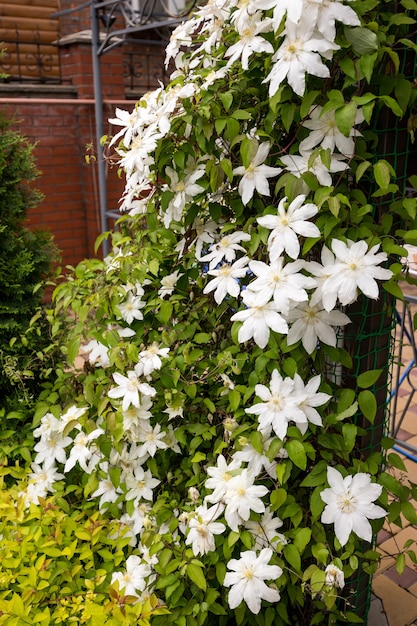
(243, 496)
(349, 504)
(287, 224)
(225, 249)
(355, 268)
(226, 279)
(324, 13)
(312, 323)
(280, 405)
(326, 133)
(259, 318)
(301, 163)
(283, 283)
(129, 387)
(256, 175)
(334, 576)
(265, 530)
(168, 284)
(246, 579)
(203, 527)
(249, 27)
(298, 56)
(133, 579)
(220, 476)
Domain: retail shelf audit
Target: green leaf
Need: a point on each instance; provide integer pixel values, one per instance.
(361, 169)
(277, 498)
(368, 404)
(349, 435)
(165, 311)
(400, 563)
(392, 104)
(195, 573)
(362, 40)
(345, 118)
(73, 349)
(382, 174)
(226, 99)
(296, 453)
(369, 378)
(409, 512)
(292, 556)
(396, 461)
(302, 539)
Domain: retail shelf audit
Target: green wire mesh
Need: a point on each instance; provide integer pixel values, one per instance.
(370, 337)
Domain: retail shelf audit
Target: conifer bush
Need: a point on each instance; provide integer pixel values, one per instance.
(26, 264)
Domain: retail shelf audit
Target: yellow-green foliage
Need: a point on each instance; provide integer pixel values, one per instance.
(56, 562)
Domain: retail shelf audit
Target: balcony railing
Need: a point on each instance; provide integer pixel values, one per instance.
(34, 61)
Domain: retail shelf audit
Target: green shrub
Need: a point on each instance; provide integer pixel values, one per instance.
(26, 264)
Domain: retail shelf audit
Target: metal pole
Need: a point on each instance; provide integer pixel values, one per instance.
(98, 109)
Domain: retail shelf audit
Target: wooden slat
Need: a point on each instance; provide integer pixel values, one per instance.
(31, 12)
(24, 23)
(53, 4)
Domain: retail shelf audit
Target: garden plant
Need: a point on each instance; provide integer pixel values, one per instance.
(207, 464)
(27, 261)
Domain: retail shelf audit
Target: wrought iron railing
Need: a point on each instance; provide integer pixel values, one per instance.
(143, 68)
(34, 61)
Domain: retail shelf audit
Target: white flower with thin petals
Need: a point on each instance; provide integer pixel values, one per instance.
(243, 496)
(312, 323)
(256, 175)
(202, 528)
(168, 284)
(226, 279)
(320, 271)
(220, 476)
(151, 439)
(247, 579)
(265, 530)
(107, 492)
(133, 415)
(133, 579)
(308, 399)
(184, 190)
(225, 249)
(349, 504)
(140, 484)
(287, 224)
(250, 41)
(150, 359)
(40, 481)
(334, 576)
(279, 406)
(52, 447)
(82, 451)
(130, 309)
(257, 462)
(324, 13)
(355, 268)
(48, 424)
(298, 55)
(299, 164)
(98, 353)
(326, 133)
(129, 387)
(259, 318)
(282, 282)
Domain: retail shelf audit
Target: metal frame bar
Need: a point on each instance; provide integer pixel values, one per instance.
(406, 331)
(103, 42)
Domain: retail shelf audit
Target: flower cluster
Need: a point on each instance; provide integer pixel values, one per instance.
(211, 428)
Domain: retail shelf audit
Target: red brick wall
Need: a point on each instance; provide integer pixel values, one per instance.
(61, 120)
